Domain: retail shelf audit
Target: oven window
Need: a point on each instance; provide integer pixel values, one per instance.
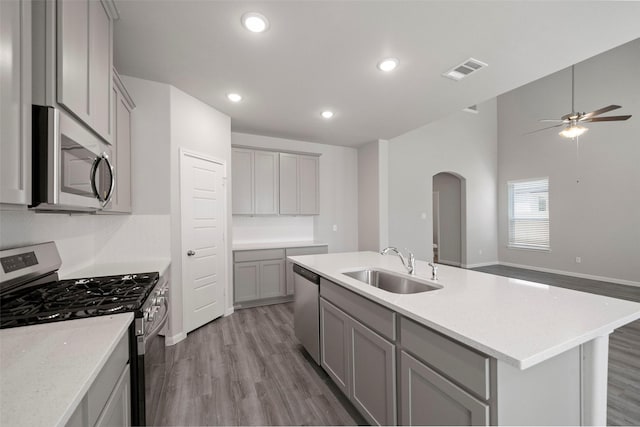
(75, 167)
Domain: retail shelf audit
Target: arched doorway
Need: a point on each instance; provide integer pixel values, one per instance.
(449, 219)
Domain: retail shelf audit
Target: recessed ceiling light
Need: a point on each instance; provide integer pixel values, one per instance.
(327, 114)
(388, 64)
(255, 22)
(234, 97)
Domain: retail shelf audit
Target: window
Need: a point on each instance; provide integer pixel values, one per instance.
(529, 213)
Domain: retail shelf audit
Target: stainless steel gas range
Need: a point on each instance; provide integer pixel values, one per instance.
(31, 293)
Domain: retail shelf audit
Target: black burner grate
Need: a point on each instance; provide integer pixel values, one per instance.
(75, 298)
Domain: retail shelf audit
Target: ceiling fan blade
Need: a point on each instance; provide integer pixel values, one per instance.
(538, 130)
(600, 111)
(553, 120)
(607, 119)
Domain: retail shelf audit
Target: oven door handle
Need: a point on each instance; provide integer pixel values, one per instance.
(161, 323)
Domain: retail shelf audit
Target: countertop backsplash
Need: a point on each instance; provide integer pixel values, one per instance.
(84, 239)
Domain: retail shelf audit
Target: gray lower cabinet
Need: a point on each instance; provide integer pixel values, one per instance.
(360, 362)
(334, 344)
(429, 399)
(264, 274)
(108, 400)
(258, 280)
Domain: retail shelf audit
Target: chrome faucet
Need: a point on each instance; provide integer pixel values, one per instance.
(434, 271)
(409, 264)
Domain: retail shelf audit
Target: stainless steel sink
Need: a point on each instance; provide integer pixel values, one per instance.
(390, 282)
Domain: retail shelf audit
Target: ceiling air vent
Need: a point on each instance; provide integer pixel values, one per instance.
(463, 70)
(472, 109)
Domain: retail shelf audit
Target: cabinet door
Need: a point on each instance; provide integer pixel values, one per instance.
(15, 102)
(272, 281)
(334, 345)
(122, 144)
(426, 398)
(265, 182)
(117, 411)
(288, 184)
(308, 193)
(73, 57)
(245, 281)
(242, 181)
(100, 65)
(290, 278)
(373, 380)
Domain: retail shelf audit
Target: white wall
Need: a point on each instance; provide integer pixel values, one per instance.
(167, 119)
(197, 127)
(83, 240)
(338, 191)
(368, 197)
(597, 219)
(464, 144)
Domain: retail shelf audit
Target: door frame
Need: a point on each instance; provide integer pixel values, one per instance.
(198, 155)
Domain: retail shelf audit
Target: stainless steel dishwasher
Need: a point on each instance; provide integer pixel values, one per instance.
(306, 316)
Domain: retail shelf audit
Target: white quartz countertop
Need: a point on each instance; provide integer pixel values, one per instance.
(248, 246)
(97, 269)
(45, 370)
(519, 322)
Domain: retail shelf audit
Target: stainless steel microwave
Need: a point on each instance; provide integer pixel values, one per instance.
(72, 170)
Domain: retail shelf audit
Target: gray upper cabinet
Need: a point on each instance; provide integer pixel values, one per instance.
(265, 182)
(288, 184)
(429, 399)
(122, 106)
(255, 182)
(308, 185)
(84, 62)
(242, 181)
(15, 102)
(299, 184)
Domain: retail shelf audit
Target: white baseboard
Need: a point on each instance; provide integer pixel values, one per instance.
(228, 311)
(480, 264)
(452, 263)
(175, 339)
(573, 274)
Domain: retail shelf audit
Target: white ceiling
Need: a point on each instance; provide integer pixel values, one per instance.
(323, 54)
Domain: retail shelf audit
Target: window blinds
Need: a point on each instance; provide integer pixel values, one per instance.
(529, 213)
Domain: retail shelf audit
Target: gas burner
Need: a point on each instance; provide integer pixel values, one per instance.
(76, 298)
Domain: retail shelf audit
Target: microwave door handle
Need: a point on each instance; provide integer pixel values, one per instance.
(113, 180)
(92, 176)
(94, 170)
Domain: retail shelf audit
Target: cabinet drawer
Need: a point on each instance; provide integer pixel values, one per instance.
(467, 367)
(375, 316)
(311, 250)
(260, 255)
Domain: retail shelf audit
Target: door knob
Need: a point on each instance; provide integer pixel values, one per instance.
(191, 253)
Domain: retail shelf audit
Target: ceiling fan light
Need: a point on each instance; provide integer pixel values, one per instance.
(573, 131)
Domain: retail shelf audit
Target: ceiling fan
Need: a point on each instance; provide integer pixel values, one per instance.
(572, 122)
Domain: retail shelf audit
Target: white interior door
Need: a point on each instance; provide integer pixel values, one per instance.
(203, 250)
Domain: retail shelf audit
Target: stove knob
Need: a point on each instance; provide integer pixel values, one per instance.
(160, 300)
(147, 315)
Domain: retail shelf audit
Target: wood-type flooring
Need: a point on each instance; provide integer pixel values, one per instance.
(249, 369)
(623, 402)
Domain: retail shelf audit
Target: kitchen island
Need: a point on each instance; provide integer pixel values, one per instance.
(529, 353)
